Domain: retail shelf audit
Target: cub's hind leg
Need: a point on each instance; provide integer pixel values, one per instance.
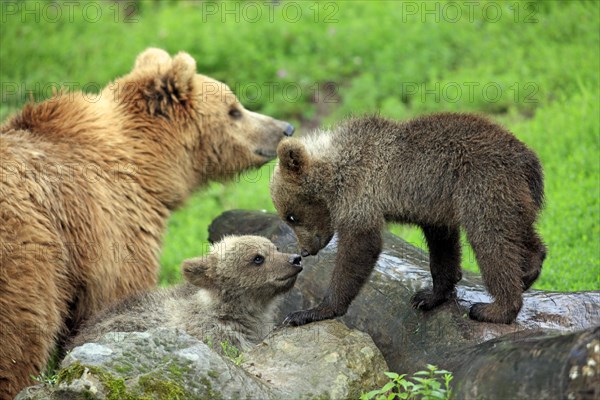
(444, 262)
(536, 254)
(500, 259)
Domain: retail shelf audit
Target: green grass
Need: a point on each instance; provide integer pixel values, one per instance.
(427, 384)
(533, 68)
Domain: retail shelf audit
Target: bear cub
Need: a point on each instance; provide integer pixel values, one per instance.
(440, 172)
(230, 295)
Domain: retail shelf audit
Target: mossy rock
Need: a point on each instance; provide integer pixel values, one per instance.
(168, 364)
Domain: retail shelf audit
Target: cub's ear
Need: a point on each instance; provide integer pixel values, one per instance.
(293, 157)
(196, 271)
(152, 57)
(170, 85)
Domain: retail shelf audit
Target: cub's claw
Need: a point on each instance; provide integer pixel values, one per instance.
(304, 317)
(491, 312)
(298, 318)
(426, 299)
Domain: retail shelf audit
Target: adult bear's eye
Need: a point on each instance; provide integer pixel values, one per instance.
(292, 219)
(258, 260)
(235, 113)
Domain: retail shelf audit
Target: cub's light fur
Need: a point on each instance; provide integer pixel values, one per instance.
(230, 295)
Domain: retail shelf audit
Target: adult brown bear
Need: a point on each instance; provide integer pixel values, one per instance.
(86, 189)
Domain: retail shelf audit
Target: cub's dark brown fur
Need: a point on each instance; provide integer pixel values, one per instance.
(440, 172)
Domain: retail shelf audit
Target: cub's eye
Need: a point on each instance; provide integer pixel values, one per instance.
(292, 219)
(235, 113)
(258, 260)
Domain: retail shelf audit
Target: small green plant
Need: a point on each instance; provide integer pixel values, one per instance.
(49, 378)
(423, 385)
(227, 349)
(232, 352)
(209, 341)
(48, 375)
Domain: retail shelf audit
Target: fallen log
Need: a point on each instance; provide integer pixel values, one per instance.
(551, 352)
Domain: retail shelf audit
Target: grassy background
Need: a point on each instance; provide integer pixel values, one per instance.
(532, 66)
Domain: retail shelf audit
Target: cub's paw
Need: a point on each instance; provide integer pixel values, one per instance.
(490, 312)
(304, 317)
(426, 299)
(529, 277)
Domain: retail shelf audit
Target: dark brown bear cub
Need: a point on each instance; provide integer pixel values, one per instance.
(440, 172)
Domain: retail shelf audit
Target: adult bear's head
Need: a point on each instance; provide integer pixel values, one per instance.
(193, 119)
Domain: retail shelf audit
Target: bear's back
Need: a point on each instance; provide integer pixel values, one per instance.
(136, 313)
(450, 140)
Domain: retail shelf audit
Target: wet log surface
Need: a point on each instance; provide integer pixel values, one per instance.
(552, 351)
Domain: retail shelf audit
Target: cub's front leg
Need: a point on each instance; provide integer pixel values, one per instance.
(357, 255)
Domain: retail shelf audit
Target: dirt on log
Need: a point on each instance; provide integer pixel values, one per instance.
(551, 352)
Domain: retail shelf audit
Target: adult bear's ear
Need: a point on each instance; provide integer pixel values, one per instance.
(293, 157)
(196, 271)
(183, 70)
(170, 85)
(152, 58)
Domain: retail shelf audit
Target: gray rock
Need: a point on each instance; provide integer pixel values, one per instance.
(323, 360)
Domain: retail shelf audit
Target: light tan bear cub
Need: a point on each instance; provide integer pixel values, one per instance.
(86, 188)
(229, 296)
(442, 172)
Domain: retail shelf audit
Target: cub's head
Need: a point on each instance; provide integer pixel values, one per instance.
(244, 267)
(298, 189)
(195, 116)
